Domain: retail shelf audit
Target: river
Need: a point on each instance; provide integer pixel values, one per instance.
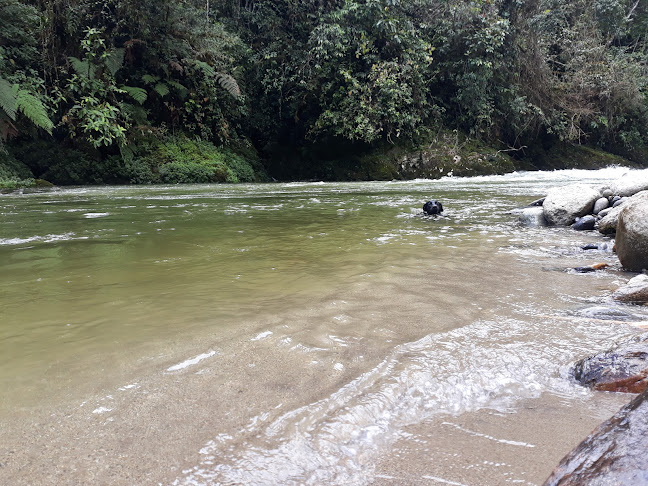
(300, 333)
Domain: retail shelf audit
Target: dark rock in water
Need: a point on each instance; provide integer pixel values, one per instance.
(537, 202)
(614, 454)
(623, 368)
(590, 268)
(584, 223)
(590, 246)
(598, 246)
(433, 207)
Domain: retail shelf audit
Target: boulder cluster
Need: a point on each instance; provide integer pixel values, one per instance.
(610, 455)
(620, 207)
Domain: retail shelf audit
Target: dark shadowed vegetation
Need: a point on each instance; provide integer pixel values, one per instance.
(125, 91)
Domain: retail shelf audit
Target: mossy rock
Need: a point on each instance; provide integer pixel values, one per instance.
(573, 156)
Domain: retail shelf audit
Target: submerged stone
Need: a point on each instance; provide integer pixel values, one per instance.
(623, 368)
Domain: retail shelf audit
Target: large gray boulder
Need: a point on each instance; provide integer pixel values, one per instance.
(631, 183)
(564, 204)
(614, 454)
(632, 233)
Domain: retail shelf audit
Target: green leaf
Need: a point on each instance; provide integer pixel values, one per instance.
(34, 110)
(138, 94)
(115, 60)
(162, 89)
(149, 79)
(82, 68)
(8, 98)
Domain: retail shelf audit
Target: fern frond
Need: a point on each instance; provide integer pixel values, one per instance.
(162, 89)
(149, 79)
(34, 110)
(229, 84)
(82, 68)
(115, 60)
(205, 68)
(182, 91)
(138, 94)
(8, 98)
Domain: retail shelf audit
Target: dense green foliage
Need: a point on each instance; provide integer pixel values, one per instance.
(164, 91)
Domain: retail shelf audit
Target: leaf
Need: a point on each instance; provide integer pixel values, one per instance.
(34, 110)
(162, 89)
(8, 98)
(182, 91)
(115, 60)
(138, 94)
(149, 79)
(82, 68)
(229, 84)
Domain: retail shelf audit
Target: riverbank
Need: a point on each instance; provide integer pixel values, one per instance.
(181, 160)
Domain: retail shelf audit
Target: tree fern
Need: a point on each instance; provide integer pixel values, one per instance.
(182, 91)
(162, 89)
(150, 79)
(114, 60)
(82, 68)
(8, 94)
(138, 94)
(13, 99)
(34, 110)
(229, 84)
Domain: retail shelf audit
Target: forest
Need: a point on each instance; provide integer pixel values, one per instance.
(174, 91)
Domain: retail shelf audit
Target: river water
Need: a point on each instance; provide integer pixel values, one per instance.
(303, 333)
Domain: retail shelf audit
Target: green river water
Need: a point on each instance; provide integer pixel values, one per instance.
(283, 333)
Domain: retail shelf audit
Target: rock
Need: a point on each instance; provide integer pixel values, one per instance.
(606, 314)
(537, 202)
(631, 183)
(585, 223)
(433, 207)
(608, 224)
(614, 454)
(618, 202)
(603, 213)
(632, 233)
(623, 368)
(607, 193)
(591, 268)
(600, 204)
(564, 204)
(635, 291)
(533, 217)
(598, 246)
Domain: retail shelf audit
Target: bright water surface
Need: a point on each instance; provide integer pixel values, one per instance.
(283, 333)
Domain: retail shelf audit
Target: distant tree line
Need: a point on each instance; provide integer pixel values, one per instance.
(113, 89)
